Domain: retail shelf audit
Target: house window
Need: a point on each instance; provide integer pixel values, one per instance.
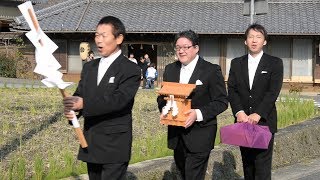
(74, 60)
(302, 58)
(235, 48)
(282, 48)
(210, 50)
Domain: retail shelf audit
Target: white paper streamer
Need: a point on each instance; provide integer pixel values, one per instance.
(75, 121)
(47, 65)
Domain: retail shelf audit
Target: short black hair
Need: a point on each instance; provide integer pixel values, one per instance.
(191, 35)
(256, 27)
(118, 26)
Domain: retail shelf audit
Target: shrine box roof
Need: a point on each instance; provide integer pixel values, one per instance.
(176, 89)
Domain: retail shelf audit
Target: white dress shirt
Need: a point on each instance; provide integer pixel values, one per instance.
(105, 63)
(185, 75)
(253, 63)
(186, 71)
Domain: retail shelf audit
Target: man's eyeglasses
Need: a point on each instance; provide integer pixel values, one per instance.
(184, 48)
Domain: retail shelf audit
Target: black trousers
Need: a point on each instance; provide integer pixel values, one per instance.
(115, 171)
(257, 162)
(192, 165)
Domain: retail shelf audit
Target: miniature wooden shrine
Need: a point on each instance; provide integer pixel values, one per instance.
(177, 102)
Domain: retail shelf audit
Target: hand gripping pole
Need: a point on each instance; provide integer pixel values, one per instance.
(76, 125)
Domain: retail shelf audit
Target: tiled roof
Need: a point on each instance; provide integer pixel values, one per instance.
(168, 16)
(32, 1)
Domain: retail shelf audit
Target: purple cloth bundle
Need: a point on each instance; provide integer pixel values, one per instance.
(246, 135)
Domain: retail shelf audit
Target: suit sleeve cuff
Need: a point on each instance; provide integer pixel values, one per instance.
(199, 115)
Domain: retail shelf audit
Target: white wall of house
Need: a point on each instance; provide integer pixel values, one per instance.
(74, 60)
(302, 60)
(235, 48)
(296, 55)
(282, 48)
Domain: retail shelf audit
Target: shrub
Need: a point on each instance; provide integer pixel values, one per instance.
(15, 65)
(8, 65)
(24, 69)
(295, 88)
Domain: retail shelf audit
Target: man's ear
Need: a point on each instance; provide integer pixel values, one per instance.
(265, 42)
(245, 42)
(197, 47)
(119, 39)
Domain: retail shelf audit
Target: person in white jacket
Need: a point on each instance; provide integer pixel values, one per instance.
(151, 75)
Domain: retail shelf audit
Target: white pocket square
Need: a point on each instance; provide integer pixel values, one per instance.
(264, 72)
(111, 80)
(198, 82)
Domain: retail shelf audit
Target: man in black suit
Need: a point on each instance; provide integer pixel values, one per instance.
(192, 144)
(254, 84)
(105, 96)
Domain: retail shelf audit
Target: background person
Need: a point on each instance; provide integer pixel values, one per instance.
(144, 66)
(105, 96)
(151, 75)
(147, 59)
(131, 58)
(192, 144)
(254, 84)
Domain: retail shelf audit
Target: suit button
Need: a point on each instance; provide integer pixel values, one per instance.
(250, 96)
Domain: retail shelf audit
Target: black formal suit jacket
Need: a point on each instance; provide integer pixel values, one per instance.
(264, 92)
(210, 98)
(107, 110)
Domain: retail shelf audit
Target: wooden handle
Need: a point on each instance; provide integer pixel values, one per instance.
(63, 93)
(79, 132)
(35, 23)
(33, 19)
(81, 138)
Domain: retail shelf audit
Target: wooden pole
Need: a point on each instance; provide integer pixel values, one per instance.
(35, 23)
(79, 132)
(251, 11)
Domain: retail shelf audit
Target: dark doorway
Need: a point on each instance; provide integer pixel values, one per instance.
(139, 50)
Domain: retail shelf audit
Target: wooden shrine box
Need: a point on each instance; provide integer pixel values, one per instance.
(176, 92)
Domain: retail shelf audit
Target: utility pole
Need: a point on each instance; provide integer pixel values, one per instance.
(255, 7)
(251, 11)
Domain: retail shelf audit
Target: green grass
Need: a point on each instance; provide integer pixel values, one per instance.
(37, 143)
(292, 109)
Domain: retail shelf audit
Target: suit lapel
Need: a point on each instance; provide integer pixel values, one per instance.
(111, 72)
(245, 71)
(93, 73)
(261, 66)
(91, 77)
(175, 76)
(196, 72)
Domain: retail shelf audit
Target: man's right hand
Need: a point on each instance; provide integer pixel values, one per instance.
(242, 117)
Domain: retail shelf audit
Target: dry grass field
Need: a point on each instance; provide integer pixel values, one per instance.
(36, 141)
